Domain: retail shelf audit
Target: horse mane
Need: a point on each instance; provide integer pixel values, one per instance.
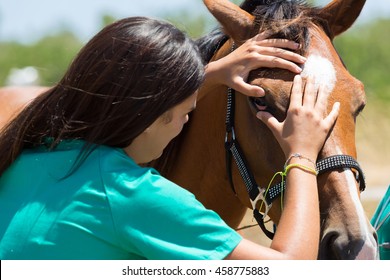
(287, 19)
(209, 44)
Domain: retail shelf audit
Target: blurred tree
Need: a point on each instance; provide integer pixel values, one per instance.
(107, 19)
(365, 51)
(50, 55)
(194, 25)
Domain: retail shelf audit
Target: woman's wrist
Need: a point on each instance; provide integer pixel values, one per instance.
(212, 79)
(214, 73)
(298, 157)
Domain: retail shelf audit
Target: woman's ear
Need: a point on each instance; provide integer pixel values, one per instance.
(167, 116)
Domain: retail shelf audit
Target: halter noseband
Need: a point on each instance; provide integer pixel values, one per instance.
(256, 193)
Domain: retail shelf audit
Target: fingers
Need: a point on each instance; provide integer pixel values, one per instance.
(273, 53)
(321, 105)
(272, 57)
(316, 98)
(248, 89)
(259, 52)
(322, 99)
(276, 62)
(306, 125)
(278, 47)
(332, 117)
(262, 36)
(284, 54)
(269, 120)
(296, 93)
(310, 95)
(261, 39)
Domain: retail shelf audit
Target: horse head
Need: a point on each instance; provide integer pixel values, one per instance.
(345, 230)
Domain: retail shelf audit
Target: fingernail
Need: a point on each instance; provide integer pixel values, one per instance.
(297, 77)
(260, 92)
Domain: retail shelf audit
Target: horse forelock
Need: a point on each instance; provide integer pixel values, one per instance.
(287, 19)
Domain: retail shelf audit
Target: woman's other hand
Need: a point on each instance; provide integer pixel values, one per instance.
(257, 52)
(306, 126)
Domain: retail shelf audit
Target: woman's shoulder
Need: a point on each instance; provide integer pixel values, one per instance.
(121, 175)
(116, 162)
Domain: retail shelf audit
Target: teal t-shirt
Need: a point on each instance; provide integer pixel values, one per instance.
(381, 222)
(108, 208)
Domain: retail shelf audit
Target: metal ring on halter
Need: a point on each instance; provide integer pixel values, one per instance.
(261, 198)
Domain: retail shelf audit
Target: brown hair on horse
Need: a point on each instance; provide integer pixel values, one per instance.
(196, 159)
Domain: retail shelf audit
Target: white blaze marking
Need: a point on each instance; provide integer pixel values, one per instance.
(369, 249)
(322, 70)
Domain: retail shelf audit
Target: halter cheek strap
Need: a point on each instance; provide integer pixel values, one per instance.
(266, 196)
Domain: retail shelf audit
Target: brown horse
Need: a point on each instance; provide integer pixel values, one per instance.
(14, 99)
(197, 161)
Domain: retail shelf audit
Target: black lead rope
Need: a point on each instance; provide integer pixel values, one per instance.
(257, 194)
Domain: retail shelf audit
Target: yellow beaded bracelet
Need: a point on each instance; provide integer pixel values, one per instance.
(283, 174)
(301, 166)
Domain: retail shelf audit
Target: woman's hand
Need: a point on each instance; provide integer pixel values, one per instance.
(306, 125)
(257, 52)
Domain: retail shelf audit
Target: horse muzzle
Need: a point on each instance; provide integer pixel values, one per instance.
(346, 232)
(338, 245)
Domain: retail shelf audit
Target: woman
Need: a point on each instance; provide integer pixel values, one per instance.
(71, 186)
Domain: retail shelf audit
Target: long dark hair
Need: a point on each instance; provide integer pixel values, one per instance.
(125, 77)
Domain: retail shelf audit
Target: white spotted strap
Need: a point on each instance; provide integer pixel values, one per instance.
(342, 161)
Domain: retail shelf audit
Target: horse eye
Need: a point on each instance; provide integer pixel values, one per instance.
(260, 101)
(359, 109)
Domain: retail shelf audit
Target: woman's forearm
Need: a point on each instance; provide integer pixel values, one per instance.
(299, 223)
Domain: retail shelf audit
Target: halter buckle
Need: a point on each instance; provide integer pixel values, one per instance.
(230, 137)
(260, 198)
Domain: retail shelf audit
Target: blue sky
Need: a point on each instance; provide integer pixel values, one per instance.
(28, 20)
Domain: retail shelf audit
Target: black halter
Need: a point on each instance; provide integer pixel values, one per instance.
(257, 194)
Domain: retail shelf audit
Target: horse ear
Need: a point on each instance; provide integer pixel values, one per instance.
(341, 14)
(237, 23)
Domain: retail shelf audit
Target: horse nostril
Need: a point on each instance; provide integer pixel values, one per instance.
(336, 246)
(326, 251)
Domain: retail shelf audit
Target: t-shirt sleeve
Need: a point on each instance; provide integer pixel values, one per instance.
(157, 219)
